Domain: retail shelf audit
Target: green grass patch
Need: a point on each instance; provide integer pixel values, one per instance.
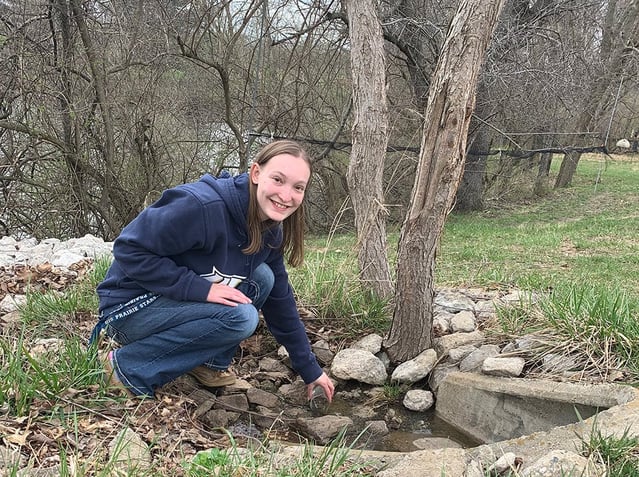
(596, 329)
(618, 454)
(586, 233)
(313, 461)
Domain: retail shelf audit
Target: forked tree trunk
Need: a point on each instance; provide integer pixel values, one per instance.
(450, 104)
(370, 138)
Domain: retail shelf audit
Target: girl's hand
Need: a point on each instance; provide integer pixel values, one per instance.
(226, 295)
(325, 382)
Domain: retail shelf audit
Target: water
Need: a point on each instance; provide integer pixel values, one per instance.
(407, 427)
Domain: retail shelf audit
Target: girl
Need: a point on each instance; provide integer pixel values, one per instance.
(192, 270)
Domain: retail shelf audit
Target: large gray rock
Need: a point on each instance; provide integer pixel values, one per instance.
(415, 369)
(323, 429)
(445, 343)
(359, 365)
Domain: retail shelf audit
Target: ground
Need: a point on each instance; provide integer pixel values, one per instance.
(82, 422)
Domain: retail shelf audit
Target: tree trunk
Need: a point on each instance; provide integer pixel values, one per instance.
(450, 105)
(471, 188)
(370, 138)
(99, 80)
(543, 165)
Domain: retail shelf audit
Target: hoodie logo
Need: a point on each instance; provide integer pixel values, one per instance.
(218, 277)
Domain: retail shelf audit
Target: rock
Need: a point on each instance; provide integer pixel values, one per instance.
(11, 318)
(52, 250)
(447, 342)
(272, 365)
(66, 259)
(201, 396)
(262, 398)
(232, 402)
(415, 369)
(418, 400)
(508, 367)
(384, 358)
(216, 418)
(11, 303)
(129, 453)
(558, 364)
(240, 385)
(464, 321)
(46, 345)
(323, 352)
(359, 365)
(506, 462)
(441, 323)
(294, 393)
(455, 355)
(439, 373)
(371, 343)
(623, 143)
(453, 301)
(474, 360)
(323, 429)
(377, 428)
(266, 418)
(518, 297)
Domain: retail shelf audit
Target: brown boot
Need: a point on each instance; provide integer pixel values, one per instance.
(111, 378)
(212, 377)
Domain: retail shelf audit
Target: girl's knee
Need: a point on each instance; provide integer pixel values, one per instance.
(264, 276)
(246, 320)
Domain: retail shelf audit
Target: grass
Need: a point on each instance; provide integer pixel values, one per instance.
(332, 460)
(594, 329)
(619, 455)
(584, 234)
(576, 246)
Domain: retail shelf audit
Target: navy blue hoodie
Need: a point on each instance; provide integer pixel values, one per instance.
(196, 230)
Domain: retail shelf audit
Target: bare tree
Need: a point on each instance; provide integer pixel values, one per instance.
(450, 104)
(370, 138)
(620, 35)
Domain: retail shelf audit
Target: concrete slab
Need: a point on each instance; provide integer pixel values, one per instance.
(492, 409)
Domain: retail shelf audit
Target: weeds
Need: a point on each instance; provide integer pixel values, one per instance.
(593, 328)
(619, 454)
(327, 284)
(334, 460)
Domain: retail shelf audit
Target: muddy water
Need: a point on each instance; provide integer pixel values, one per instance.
(409, 430)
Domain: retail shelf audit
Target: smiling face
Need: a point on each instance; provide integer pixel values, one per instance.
(280, 185)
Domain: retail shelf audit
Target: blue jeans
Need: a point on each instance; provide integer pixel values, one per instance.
(168, 338)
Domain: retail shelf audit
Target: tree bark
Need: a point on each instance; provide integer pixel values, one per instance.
(450, 104)
(370, 139)
(470, 193)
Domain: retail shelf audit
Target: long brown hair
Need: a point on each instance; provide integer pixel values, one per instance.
(293, 226)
